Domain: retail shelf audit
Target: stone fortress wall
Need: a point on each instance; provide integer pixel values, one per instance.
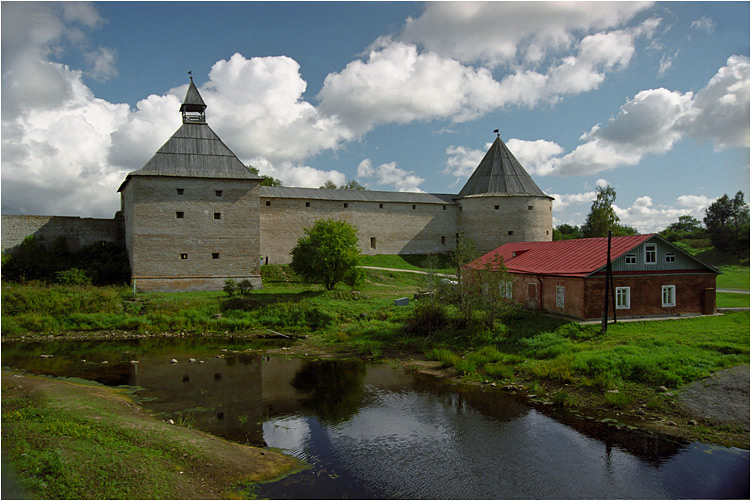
(390, 227)
(383, 227)
(78, 231)
(191, 233)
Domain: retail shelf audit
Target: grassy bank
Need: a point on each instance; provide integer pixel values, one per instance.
(558, 360)
(73, 441)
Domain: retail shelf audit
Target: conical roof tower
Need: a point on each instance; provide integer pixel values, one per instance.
(498, 174)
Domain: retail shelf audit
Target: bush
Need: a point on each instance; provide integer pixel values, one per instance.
(244, 287)
(230, 287)
(73, 276)
(427, 319)
(446, 357)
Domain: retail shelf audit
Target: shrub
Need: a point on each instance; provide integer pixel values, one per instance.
(427, 319)
(244, 287)
(230, 287)
(73, 276)
(446, 357)
(499, 371)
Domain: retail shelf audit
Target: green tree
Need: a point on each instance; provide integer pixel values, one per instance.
(352, 185)
(267, 180)
(601, 216)
(349, 185)
(464, 253)
(686, 227)
(727, 222)
(566, 232)
(327, 254)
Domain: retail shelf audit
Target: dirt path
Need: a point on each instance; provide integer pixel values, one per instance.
(722, 398)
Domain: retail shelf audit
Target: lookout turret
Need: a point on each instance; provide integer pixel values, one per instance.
(193, 107)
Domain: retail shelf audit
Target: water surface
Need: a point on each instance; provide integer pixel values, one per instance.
(373, 431)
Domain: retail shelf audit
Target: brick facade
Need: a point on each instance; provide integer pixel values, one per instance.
(585, 297)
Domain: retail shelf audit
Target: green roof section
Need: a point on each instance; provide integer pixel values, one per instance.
(500, 174)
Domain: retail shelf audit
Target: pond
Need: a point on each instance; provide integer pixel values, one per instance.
(375, 431)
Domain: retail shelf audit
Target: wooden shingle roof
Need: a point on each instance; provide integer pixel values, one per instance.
(500, 174)
(194, 150)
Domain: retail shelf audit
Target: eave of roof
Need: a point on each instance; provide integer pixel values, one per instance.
(573, 258)
(569, 258)
(194, 150)
(355, 195)
(499, 173)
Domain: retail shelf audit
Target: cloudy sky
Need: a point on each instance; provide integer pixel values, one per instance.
(651, 98)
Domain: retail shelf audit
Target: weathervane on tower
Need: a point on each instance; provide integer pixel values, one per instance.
(496, 131)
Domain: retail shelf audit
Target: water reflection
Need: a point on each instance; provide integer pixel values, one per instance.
(371, 431)
(332, 389)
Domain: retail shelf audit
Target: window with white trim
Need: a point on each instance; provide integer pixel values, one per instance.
(622, 298)
(506, 289)
(650, 254)
(560, 293)
(668, 295)
(631, 258)
(670, 257)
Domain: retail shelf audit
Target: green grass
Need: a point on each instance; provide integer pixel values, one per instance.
(73, 441)
(408, 262)
(733, 300)
(733, 277)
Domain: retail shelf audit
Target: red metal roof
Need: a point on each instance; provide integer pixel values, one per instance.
(574, 258)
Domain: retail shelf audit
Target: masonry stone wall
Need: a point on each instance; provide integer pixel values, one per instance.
(492, 221)
(191, 233)
(78, 231)
(383, 227)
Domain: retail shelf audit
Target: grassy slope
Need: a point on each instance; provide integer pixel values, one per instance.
(408, 262)
(74, 441)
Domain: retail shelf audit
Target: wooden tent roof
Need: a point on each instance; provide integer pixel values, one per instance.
(500, 173)
(194, 150)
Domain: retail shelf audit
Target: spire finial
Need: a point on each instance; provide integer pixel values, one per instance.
(496, 131)
(191, 75)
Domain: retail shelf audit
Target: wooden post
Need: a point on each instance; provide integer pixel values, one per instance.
(612, 280)
(607, 289)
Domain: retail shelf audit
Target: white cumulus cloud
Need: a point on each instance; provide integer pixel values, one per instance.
(389, 175)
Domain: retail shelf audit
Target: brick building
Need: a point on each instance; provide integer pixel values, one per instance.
(651, 277)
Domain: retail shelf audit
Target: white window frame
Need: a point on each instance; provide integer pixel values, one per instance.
(650, 249)
(560, 296)
(670, 257)
(668, 296)
(506, 289)
(623, 298)
(631, 258)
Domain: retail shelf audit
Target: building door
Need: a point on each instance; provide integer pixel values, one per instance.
(532, 302)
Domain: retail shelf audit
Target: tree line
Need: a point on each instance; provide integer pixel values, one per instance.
(725, 223)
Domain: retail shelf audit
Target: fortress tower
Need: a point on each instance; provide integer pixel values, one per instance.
(191, 214)
(500, 203)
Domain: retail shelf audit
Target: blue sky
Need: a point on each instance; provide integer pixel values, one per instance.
(651, 98)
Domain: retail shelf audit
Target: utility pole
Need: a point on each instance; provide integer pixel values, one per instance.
(607, 289)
